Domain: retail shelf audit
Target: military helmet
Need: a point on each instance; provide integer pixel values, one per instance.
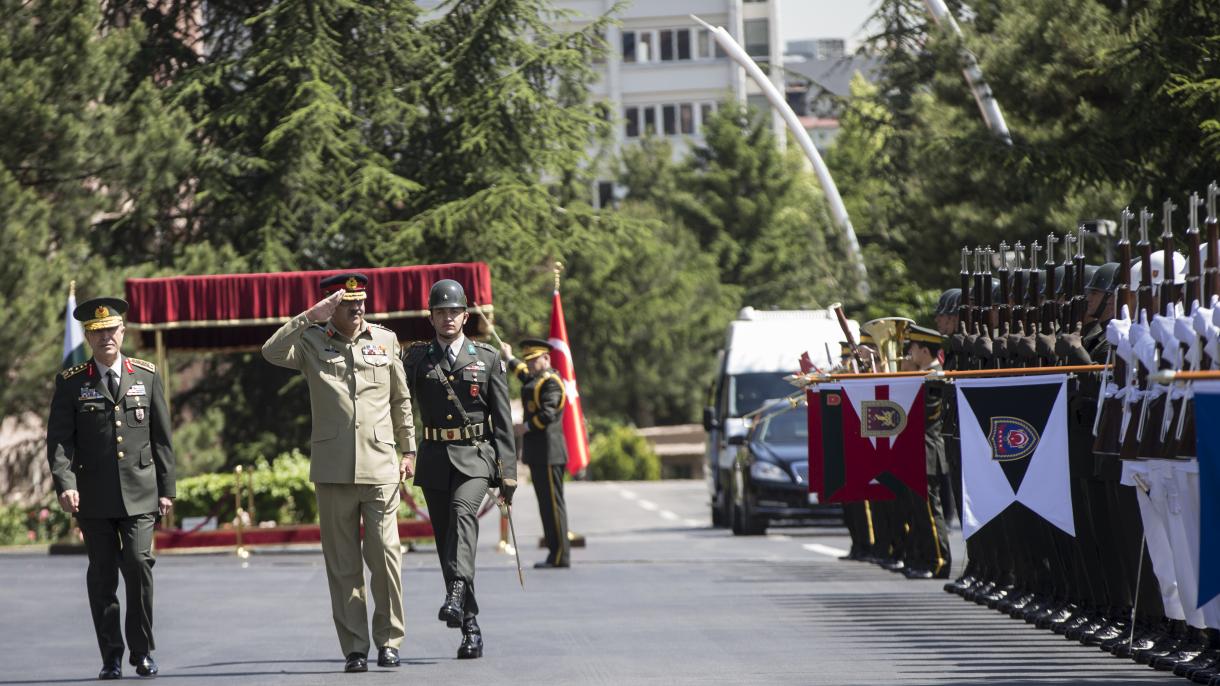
(1105, 278)
(1158, 269)
(446, 293)
(949, 301)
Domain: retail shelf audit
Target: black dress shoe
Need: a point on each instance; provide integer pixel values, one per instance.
(1204, 660)
(111, 669)
(388, 657)
(144, 664)
(356, 662)
(472, 640)
(451, 612)
(547, 564)
(915, 573)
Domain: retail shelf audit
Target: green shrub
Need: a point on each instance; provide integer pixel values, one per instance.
(44, 524)
(620, 453)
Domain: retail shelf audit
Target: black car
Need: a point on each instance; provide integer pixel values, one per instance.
(771, 473)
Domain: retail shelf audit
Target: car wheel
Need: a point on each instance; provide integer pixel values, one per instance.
(751, 524)
(718, 515)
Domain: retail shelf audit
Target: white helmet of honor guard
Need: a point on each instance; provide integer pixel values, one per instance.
(1158, 269)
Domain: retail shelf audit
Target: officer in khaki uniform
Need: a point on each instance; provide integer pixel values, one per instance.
(108, 443)
(543, 447)
(361, 410)
(460, 388)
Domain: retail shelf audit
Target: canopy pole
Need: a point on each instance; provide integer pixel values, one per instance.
(163, 365)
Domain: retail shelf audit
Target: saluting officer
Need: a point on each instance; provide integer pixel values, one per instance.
(108, 442)
(361, 409)
(543, 447)
(467, 447)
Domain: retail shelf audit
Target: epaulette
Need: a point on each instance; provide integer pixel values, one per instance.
(143, 363)
(73, 371)
(378, 326)
(414, 350)
(486, 346)
(552, 374)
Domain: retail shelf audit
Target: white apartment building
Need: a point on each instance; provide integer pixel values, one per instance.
(665, 74)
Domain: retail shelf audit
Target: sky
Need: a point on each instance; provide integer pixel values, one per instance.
(824, 19)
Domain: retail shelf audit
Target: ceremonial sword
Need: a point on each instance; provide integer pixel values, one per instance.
(507, 511)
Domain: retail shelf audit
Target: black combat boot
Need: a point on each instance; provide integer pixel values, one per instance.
(472, 640)
(451, 612)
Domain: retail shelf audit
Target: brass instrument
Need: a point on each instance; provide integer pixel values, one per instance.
(890, 335)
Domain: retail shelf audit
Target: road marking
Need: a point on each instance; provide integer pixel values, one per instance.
(824, 549)
(666, 514)
(692, 522)
(647, 505)
(779, 537)
(627, 494)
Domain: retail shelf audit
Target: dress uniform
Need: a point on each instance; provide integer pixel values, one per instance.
(361, 409)
(461, 390)
(108, 443)
(543, 447)
(929, 528)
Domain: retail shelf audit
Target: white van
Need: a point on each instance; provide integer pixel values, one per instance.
(760, 349)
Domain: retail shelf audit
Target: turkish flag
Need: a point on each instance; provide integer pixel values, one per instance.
(573, 417)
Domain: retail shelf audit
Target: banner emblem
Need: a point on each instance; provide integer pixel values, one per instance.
(881, 419)
(1011, 439)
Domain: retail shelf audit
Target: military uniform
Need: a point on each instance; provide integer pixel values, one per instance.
(467, 447)
(108, 438)
(544, 448)
(361, 409)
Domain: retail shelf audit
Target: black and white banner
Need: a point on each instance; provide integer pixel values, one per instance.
(1014, 449)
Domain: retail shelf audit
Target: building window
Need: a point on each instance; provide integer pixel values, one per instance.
(650, 121)
(703, 44)
(669, 116)
(758, 43)
(683, 37)
(605, 194)
(686, 118)
(631, 115)
(667, 46)
(629, 46)
(643, 47)
(706, 110)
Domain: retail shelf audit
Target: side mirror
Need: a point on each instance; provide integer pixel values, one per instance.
(737, 440)
(709, 419)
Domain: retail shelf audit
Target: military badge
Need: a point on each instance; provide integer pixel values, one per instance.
(137, 389)
(1011, 439)
(89, 393)
(474, 390)
(881, 419)
(352, 284)
(139, 414)
(101, 312)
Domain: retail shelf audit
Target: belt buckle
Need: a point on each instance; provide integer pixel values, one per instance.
(450, 434)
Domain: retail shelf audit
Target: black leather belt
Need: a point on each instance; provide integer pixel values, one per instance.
(459, 433)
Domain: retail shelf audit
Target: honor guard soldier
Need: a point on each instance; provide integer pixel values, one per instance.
(361, 409)
(108, 442)
(543, 447)
(461, 390)
(931, 532)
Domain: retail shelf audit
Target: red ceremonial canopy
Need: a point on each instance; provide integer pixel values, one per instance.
(241, 311)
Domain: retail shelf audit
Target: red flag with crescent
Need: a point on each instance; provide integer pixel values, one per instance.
(573, 417)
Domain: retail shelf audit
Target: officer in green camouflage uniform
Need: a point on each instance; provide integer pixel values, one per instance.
(461, 390)
(108, 444)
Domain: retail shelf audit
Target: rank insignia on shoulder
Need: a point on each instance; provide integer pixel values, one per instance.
(144, 364)
(73, 371)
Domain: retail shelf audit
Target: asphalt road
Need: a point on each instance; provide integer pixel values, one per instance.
(657, 597)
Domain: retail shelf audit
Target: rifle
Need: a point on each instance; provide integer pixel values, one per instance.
(964, 323)
(1212, 280)
(1123, 295)
(1005, 308)
(1169, 289)
(1194, 272)
(1033, 309)
(1076, 321)
(1069, 284)
(1049, 313)
(1147, 301)
(980, 293)
(1130, 446)
(1107, 428)
(990, 307)
(1018, 289)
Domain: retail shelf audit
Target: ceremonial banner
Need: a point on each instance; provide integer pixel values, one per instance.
(822, 401)
(1014, 449)
(1207, 415)
(878, 450)
(74, 335)
(573, 417)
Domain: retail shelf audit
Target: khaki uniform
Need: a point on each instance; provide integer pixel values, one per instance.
(115, 451)
(361, 411)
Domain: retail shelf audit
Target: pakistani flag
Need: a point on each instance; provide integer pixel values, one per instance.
(1014, 449)
(74, 335)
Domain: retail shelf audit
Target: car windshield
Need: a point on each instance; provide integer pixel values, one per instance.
(749, 391)
(789, 426)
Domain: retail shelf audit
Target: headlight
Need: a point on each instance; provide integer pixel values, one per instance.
(766, 471)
